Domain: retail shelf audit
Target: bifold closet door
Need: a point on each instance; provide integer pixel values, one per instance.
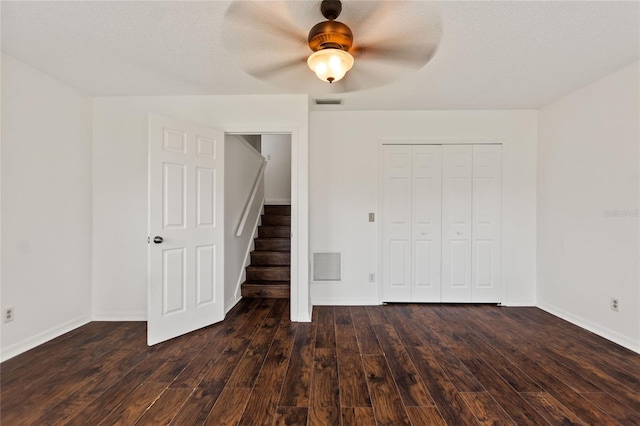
(441, 223)
(426, 223)
(396, 250)
(487, 206)
(411, 227)
(456, 222)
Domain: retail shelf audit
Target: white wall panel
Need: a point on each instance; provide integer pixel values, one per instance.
(277, 175)
(46, 207)
(345, 171)
(120, 186)
(588, 185)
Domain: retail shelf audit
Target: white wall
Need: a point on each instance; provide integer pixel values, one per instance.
(588, 188)
(46, 207)
(242, 165)
(120, 186)
(277, 176)
(344, 189)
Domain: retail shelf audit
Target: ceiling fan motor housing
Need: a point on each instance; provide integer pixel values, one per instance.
(330, 34)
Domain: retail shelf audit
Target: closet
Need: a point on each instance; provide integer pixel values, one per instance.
(441, 222)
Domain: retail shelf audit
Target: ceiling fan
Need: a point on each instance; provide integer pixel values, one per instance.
(375, 42)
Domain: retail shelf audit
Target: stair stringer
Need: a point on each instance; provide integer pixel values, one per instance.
(237, 294)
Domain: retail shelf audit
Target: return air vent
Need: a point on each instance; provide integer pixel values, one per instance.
(326, 267)
(328, 101)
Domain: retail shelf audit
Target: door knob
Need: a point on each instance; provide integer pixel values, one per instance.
(158, 240)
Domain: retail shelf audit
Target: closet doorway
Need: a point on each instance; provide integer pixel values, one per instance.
(441, 223)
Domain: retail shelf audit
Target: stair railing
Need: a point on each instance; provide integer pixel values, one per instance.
(252, 197)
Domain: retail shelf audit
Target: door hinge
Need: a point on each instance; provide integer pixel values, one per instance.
(148, 240)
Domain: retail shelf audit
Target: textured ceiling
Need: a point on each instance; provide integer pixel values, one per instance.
(488, 55)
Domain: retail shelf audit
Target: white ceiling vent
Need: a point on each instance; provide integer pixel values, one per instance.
(336, 101)
(326, 267)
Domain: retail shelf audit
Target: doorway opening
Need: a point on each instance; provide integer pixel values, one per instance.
(257, 205)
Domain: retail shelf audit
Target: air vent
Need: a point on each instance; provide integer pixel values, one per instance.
(326, 266)
(328, 101)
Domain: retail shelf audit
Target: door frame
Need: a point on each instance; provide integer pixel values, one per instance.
(300, 303)
(380, 220)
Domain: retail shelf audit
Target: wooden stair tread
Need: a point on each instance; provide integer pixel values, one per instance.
(266, 291)
(269, 273)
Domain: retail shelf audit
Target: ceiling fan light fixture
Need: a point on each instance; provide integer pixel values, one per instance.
(330, 64)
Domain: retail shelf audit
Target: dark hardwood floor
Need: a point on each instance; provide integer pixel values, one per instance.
(384, 365)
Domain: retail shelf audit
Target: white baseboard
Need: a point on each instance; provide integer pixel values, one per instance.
(277, 202)
(303, 318)
(335, 301)
(601, 331)
(43, 337)
(519, 304)
(230, 303)
(118, 316)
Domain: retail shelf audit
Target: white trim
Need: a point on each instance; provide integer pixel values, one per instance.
(237, 294)
(250, 147)
(475, 141)
(252, 196)
(604, 332)
(278, 201)
(42, 337)
(229, 304)
(331, 301)
(119, 316)
(518, 303)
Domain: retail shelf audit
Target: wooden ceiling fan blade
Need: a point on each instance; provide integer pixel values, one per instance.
(359, 78)
(269, 71)
(262, 19)
(410, 53)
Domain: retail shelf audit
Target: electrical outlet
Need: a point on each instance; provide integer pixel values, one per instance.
(615, 304)
(372, 277)
(8, 314)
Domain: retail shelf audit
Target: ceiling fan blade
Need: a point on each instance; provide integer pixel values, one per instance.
(270, 71)
(364, 14)
(263, 19)
(409, 53)
(359, 78)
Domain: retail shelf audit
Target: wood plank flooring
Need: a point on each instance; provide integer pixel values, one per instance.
(382, 365)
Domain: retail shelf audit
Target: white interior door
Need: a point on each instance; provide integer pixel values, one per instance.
(396, 250)
(426, 223)
(186, 223)
(487, 202)
(456, 223)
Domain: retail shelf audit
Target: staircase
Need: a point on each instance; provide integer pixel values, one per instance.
(269, 273)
